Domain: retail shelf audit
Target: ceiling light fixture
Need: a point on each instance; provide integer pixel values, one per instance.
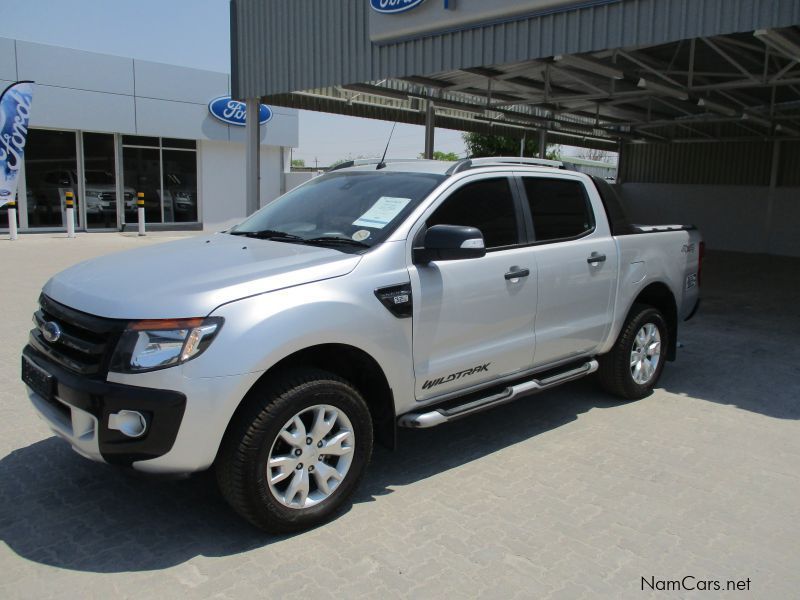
(717, 107)
(663, 90)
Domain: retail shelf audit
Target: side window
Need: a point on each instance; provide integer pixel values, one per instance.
(560, 208)
(488, 205)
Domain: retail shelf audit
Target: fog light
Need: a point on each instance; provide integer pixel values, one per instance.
(129, 422)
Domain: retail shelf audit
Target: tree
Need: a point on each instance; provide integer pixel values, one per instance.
(479, 145)
(439, 155)
(599, 155)
(298, 162)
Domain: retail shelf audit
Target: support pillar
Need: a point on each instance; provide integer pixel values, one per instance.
(773, 184)
(542, 143)
(252, 156)
(522, 145)
(621, 152)
(430, 127)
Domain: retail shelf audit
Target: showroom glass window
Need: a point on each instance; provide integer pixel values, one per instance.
(51, 170)
(100, 180)
(165, 171)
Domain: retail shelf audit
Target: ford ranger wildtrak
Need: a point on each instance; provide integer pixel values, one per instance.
(402, 294)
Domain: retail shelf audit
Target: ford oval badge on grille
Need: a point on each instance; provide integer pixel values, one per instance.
(51, 331)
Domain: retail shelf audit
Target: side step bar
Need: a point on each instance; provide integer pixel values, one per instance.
(437, 416)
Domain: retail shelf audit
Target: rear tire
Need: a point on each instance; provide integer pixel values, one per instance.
(267, 469)
(633, 366)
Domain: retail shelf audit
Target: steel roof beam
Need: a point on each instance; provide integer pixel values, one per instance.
(742, 84)
(589, 64)
(652, 69)
(781, 42)
(729, 58)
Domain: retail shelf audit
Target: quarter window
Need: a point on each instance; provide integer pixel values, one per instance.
(559, 207)
(488, 205)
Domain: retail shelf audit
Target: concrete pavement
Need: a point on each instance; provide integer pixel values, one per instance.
(569, 494)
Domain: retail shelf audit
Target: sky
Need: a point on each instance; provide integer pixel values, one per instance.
(195, 33)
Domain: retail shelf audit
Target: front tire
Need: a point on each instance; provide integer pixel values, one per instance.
(297, 451)
(633, 366)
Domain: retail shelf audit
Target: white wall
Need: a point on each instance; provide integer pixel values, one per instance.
(222, 185)
(292, 180)
(735, 218)
(103, 93)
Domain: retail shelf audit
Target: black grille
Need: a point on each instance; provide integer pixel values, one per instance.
(86, 342)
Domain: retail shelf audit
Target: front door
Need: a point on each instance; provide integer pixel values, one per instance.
(473, 323)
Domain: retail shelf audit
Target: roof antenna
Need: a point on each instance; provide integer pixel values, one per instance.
(382, 164)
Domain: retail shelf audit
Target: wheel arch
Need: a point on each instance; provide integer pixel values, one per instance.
(659, 296)
(350, 363)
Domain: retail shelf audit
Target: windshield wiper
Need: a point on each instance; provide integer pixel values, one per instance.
(325, 239)
(269, 234)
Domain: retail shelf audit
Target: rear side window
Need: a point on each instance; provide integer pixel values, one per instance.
(488, 205)
(559, 207)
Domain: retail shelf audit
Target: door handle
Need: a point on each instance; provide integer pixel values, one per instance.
(516, 273)
(596, 257)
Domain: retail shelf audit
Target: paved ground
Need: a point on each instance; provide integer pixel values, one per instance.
(564, 495)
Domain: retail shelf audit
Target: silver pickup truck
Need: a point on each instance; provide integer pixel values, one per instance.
(394, 294)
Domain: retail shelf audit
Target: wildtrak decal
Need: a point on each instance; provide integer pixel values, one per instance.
(453, 376)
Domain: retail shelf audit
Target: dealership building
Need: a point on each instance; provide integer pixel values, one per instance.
(106, 128)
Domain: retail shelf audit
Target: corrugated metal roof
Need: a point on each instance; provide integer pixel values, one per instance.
(280, 46)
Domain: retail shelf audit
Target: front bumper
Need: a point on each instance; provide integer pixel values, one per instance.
(79, 408)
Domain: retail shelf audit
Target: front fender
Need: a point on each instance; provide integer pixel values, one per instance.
(262, 330)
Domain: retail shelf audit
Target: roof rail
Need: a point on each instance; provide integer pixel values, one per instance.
(491, 161)
(360, 162)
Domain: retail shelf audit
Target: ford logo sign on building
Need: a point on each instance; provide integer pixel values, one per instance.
(233, 112)
(390, 7)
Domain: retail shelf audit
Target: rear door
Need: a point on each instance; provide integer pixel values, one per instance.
(576, 259)
(472, 322)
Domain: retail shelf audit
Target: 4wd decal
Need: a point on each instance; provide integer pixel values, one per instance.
(453, 376)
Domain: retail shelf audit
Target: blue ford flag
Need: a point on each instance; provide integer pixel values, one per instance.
(15, 110)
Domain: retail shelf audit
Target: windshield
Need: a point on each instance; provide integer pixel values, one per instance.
(361, 208)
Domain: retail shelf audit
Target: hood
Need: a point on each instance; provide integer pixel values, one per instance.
(191, 277)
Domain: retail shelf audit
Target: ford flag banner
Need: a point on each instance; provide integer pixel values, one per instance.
(15, 110)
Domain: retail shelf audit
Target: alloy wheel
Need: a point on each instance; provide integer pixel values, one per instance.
(311, 456)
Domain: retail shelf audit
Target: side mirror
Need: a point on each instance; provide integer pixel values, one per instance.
(450, 242)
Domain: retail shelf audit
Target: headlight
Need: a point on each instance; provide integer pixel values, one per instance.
(152, 345)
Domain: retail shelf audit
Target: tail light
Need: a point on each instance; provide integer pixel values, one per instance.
(701, 254)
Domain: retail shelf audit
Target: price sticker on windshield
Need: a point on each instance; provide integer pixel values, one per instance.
(382, 212)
